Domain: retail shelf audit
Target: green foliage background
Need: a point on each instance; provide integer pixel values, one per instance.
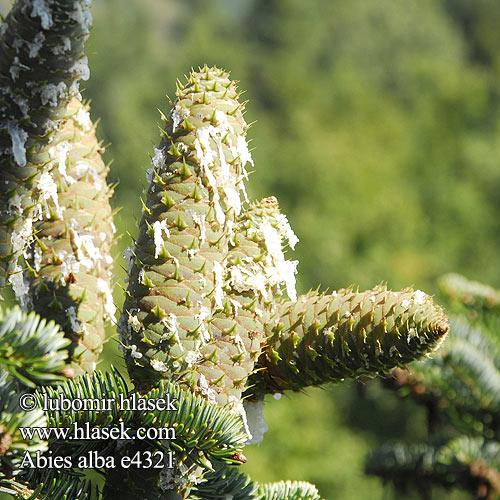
(379, 132)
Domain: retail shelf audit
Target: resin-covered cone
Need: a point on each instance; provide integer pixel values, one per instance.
(41, 59)
(69, 264)
(188, 219)
(327, 338)
(250, 279)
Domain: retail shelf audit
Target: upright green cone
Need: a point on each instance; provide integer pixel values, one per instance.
(69, 263)
(55, 200)
(254, 272)
(326, 338)
(175, 267)
(41, 59)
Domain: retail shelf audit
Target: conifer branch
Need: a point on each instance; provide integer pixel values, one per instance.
(469, 463)
(225, 481)
(31, 349)
(470, 294)
(50, 484)
(460, 387)
(12, 444)
(202, 429)
(230, 483)
(289, 490)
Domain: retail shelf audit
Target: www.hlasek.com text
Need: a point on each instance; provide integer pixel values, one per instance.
(86, 432)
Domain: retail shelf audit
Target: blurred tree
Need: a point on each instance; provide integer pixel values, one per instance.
(380, 113)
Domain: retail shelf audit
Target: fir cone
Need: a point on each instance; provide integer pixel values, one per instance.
(176, 264)
(69, 262)
(41, 59)
(251, 279)
(327, 338)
